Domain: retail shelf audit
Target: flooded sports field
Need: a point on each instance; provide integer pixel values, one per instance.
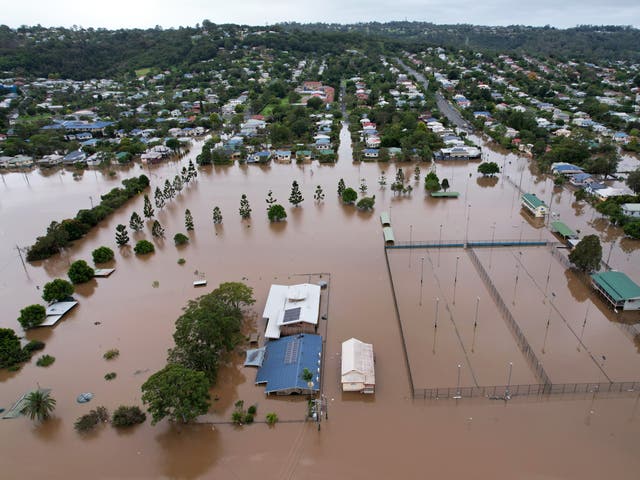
(385, 435)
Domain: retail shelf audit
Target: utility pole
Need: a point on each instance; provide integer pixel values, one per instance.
(475, 322)
(421, 278)
(455, 281)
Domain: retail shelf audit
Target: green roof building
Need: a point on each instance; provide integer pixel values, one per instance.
(534, 205)
(618, 289)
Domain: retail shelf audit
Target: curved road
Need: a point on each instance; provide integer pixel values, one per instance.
(445, 107)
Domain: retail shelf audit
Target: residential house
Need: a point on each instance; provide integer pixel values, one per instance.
(283, 156)
(358, 367)
(292, 309)
(631, 209)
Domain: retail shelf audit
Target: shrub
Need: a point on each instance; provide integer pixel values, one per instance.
(252, 410)
(144, 247)
(181, 261)
(276, 213)
(110, 376)
(349, 195)
(237, 417)
(80, 272)
(248, 418)
(102, 255)
(57, 290)
(127, 416)
(180, 239)
(89, 421)
(366, 203)
(32, 316)
(272, 418)
(111, 354)
(33, 346)
(45, 361)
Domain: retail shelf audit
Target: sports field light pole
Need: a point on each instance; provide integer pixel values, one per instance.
(410, 242)
(435, 325)
(455, 281)
(549, 270)
(421, 277)
(457, 396)
(515, 286)
(439, 245)
(475, 322)
(507, 394)
(466, 235)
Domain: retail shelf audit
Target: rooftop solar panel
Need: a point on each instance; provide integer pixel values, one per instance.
(291, 315)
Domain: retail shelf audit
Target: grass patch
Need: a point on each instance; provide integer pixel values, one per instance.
(142, 72)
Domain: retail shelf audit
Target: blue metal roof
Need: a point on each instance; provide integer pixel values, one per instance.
(284, 361)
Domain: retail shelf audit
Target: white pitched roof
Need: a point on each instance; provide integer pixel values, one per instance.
(290, 298)
(357, 363)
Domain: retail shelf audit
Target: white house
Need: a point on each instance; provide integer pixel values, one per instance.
(358, 370)
(292, 309)
(631, 209)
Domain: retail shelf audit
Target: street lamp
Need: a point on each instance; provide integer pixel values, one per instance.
(421, 277)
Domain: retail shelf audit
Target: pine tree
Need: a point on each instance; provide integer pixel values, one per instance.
(147, 211)
(296, 196)
(177, 184)
(363, 186)
(188, 220)
(245, 209)
(400, 176)
(185, 175)
(122, 236)
(168, 191)
(157, 230)
(270, 199)
(192, 172)
(416, 173)
(319, 195)
(341, 187)
(135, 222)
(159, 198)
(217, 215)
(382, 181)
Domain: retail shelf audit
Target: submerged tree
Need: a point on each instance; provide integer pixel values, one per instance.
(319, 194)
(587, 254)
(57, 290)
(177, 184)
(270, 199)
(158, 197)
(135, 222)
(191, 171)
(416, 173)
(188, 220)
(488, 168)
(245, 208)
(168, 193)
(382, 181)
(276, 213)
(341, 187)
(184, 174)
(147, 211)
(176, 392)
(39, 405)
(363, 186)
(400, 176)
(157, 230)
(296, 196)
(217, 215)
(445, 184)
(122, 236)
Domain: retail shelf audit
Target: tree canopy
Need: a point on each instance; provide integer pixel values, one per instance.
(587, 254)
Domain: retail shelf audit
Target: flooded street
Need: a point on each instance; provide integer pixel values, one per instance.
(386, 435)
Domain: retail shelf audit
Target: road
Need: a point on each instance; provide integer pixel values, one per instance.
(445, 107)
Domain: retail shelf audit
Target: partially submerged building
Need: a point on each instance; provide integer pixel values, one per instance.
(534, 205)
(358, 371)
(618, 289)
(292, 309)
(284, 362)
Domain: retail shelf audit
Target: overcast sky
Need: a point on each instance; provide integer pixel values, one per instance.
(171, 13)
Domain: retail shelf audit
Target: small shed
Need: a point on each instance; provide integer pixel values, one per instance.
(389, 239)
(385, 219)
(358, 370)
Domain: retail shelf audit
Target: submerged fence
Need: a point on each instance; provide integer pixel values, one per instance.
(468, 243)
(509, 391)
(521, 340)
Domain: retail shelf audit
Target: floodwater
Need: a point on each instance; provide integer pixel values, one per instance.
(382, 436)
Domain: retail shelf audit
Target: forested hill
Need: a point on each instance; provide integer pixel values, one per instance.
(587, 43)
(90, 53)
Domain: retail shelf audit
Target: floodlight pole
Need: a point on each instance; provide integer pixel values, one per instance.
(421, 277)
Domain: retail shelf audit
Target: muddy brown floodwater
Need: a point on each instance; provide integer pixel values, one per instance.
(388, 435)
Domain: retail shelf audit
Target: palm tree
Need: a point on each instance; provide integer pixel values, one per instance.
(39, 405)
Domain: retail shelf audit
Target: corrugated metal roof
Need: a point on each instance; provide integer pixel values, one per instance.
(285, 360)
(617, 285)
(532, 200)
(445, 194)
(385, 220)
(388, 234)
(563, 230)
